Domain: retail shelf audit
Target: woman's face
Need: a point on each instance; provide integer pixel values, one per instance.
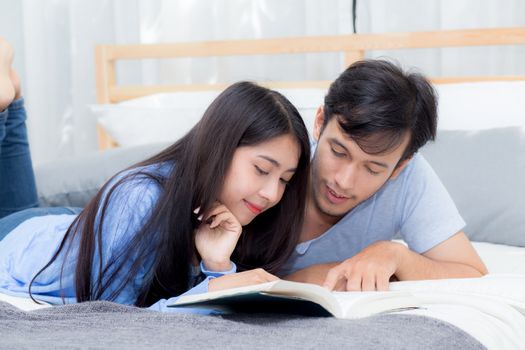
(258, 176)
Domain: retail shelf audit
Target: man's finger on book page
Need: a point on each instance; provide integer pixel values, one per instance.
(341, 285)
(334, 275)
(382, 282)
(354, 283)
(368, 283)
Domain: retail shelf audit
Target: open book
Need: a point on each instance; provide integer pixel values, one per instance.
(300, 298)
(506, 290)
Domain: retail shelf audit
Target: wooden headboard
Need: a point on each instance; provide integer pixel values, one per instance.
(353, 47)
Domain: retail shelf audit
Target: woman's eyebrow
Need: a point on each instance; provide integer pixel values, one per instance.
(275, 163)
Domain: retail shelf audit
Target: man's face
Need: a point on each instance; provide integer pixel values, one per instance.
(343, 175)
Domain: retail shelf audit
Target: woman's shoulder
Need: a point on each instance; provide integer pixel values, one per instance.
(136, 189)
(156, 170)
(130, 199)
(147, 176)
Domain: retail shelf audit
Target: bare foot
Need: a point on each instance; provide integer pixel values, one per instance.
(7, 90)
(15, 80)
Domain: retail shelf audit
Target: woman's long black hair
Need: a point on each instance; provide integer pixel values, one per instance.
(244, 114)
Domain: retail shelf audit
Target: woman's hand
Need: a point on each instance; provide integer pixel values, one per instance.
(216, 237)
(240, 279)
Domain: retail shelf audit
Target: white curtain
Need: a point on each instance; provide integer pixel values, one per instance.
(56, 52)
(380, 16)
(59, 39)
(183, 20)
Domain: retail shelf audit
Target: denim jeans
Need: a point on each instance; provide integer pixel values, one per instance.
(18, 195)
(17, 180)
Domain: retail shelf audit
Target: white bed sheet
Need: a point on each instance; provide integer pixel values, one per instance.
(500, 258)
(493, 324)
(491, 321)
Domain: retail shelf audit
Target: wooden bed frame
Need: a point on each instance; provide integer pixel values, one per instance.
(353, 47)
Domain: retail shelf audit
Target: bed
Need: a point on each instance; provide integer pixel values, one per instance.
(482, 167)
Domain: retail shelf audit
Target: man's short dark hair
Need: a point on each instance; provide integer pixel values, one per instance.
(376, 103)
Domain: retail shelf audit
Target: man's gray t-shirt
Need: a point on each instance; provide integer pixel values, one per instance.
(415, 205)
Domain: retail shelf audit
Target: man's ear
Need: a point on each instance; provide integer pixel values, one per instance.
(318, 123)
(400, 168)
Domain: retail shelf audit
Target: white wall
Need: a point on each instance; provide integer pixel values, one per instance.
(11, 28)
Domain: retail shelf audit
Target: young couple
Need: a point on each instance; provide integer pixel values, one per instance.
(239, 200)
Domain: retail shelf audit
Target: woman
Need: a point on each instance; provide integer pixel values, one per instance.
(231, 190)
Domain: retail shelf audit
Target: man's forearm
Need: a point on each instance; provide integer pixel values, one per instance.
(411, 266)
(423, 269)
(414, 266)
(315, 274)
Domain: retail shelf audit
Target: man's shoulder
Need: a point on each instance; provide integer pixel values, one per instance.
(413, 178)
(417, 166)
(417, 180)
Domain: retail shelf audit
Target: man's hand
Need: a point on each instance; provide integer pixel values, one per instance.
(373, 267)
(369, 270)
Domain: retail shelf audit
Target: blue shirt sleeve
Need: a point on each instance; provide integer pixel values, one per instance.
(429, 215)
(162, 305)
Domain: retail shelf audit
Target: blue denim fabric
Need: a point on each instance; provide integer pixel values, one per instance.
(17, 180)
(10, 222)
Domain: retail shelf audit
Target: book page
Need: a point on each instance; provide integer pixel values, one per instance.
(339, 304)
(508, 288)
(364, 304)
(308, 291)
(192, 298)
(277, 289)
(25, 304)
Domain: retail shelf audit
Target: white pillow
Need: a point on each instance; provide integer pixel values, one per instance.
(168, 116)
(154, 118)
(481, 105)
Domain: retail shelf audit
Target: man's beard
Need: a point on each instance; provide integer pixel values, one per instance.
(317, 187)
(319, 207)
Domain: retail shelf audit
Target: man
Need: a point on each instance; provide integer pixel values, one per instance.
(369, 183)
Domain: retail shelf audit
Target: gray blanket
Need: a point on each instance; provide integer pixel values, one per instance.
(97, 325)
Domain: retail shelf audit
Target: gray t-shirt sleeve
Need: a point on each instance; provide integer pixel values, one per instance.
(429, 215)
